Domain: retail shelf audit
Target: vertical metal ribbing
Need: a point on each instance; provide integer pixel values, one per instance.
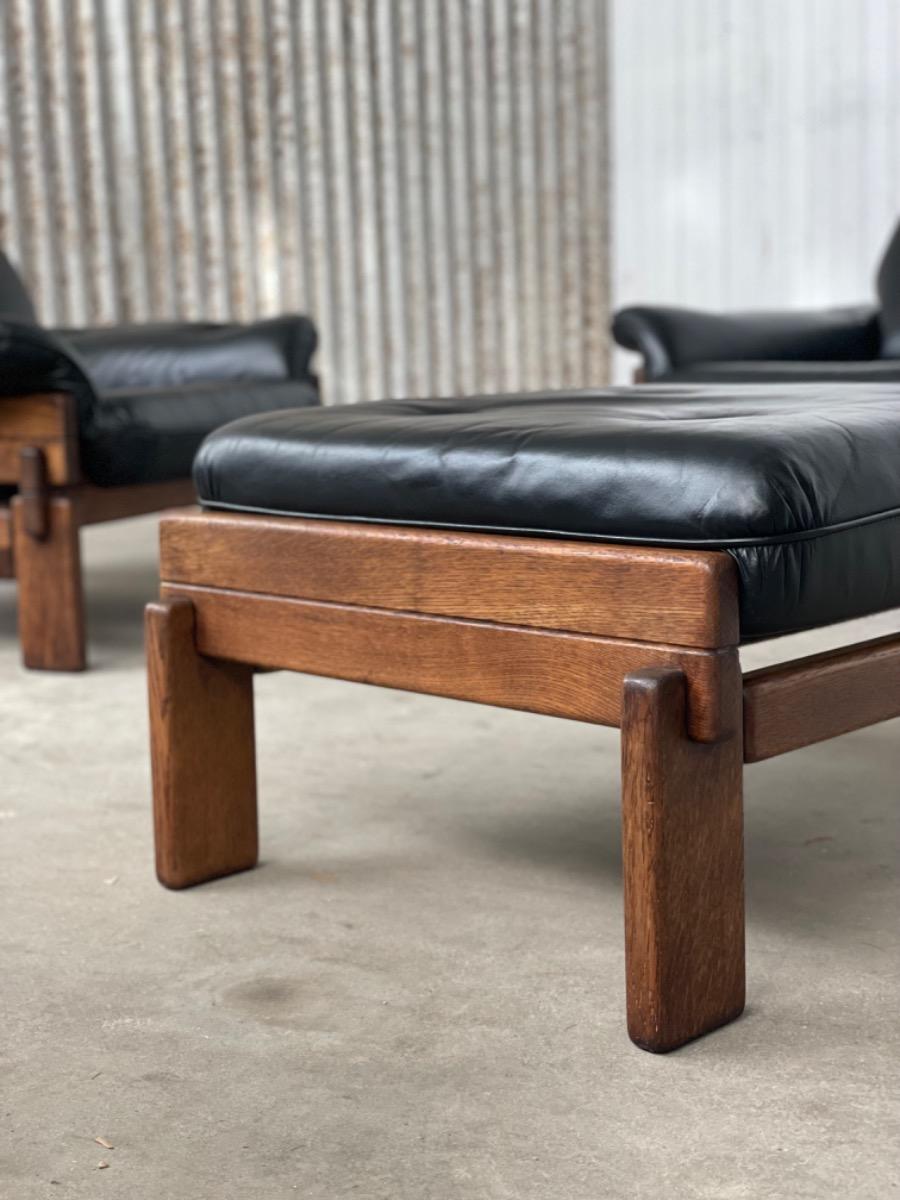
(366, 207)
(11, 234)
(210, 231)
(180, 164)
(27, 140)
(456, 135)
(122, 161)
(101, 284)
(287, 169)
(339, 187)
(428, 181)
(391, 211)
(231, 134)
(159, 246)
(258, 162)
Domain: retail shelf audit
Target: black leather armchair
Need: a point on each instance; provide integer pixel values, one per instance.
(102, 423)
(841, 344)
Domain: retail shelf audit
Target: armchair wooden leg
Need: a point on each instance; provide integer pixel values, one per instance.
(683, 863)
(202, 753)
(48, 572)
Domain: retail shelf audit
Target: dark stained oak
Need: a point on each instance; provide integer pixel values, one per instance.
(39, 546)
(46, 422)
(98, 504)
(683, 865)
(202, 754)
(6, 551)
(33, 490)
(557, 674)
(48, 573)
(682, 597)
(811, 699)
(636, 637)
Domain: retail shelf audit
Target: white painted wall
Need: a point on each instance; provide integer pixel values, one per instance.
(755, 150)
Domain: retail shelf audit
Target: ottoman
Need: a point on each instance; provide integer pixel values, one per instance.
(594, 555)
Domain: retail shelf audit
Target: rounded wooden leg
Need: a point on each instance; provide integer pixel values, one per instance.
(202, 753)
(683, 863)
(48, 575)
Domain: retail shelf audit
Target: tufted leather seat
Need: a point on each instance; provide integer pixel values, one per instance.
(798, 483)
(148, 394)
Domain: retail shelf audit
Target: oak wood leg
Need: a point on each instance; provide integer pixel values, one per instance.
(683, 865)
(6, 555)
(51, 602)
(202, 751)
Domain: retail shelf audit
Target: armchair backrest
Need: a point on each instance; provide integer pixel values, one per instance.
(14, 298)
(889, 297)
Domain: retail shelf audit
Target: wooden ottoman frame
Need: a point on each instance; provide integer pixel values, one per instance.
(636, 637)
(39, 530)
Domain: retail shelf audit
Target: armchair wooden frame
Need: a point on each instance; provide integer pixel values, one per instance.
(39, 531)
(641, 638)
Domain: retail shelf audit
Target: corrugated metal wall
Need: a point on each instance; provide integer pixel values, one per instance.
(426, 177)
(756, 149)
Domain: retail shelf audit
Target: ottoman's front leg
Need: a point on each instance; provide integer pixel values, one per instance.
(683, 864)
(202, 753)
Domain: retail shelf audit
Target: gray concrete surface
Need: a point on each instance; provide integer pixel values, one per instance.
(419, 996)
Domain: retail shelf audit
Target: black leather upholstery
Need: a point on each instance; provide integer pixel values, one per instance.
(179, 354)
(783, 346)
(799, 484)
(147, 395)
(674, 338)
(876, 370)
(144, 435)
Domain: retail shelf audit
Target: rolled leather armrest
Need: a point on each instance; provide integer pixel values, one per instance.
(669, 338)
(177, 354)
(32, 361)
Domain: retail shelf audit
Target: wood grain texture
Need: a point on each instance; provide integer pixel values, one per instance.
(96, 504)
(202, 754)
(559, 674)
(33, 490)
(683, 865)
(47, 422)
(51, 605)
(6, 550)
(681, 597)
(812, 699)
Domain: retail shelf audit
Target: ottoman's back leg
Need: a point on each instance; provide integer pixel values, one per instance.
(202, 753)
(683, 863)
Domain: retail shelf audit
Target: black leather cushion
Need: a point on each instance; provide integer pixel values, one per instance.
(146, 396)
(147, 435)
(174, 354)
(800, 484)
(675, 339)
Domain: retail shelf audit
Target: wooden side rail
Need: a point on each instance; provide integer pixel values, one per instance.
(47, 423)
(544, 671)
(6, 554)
(812, 699)
(678, 597)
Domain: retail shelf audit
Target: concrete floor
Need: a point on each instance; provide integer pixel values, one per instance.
(419, 996)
